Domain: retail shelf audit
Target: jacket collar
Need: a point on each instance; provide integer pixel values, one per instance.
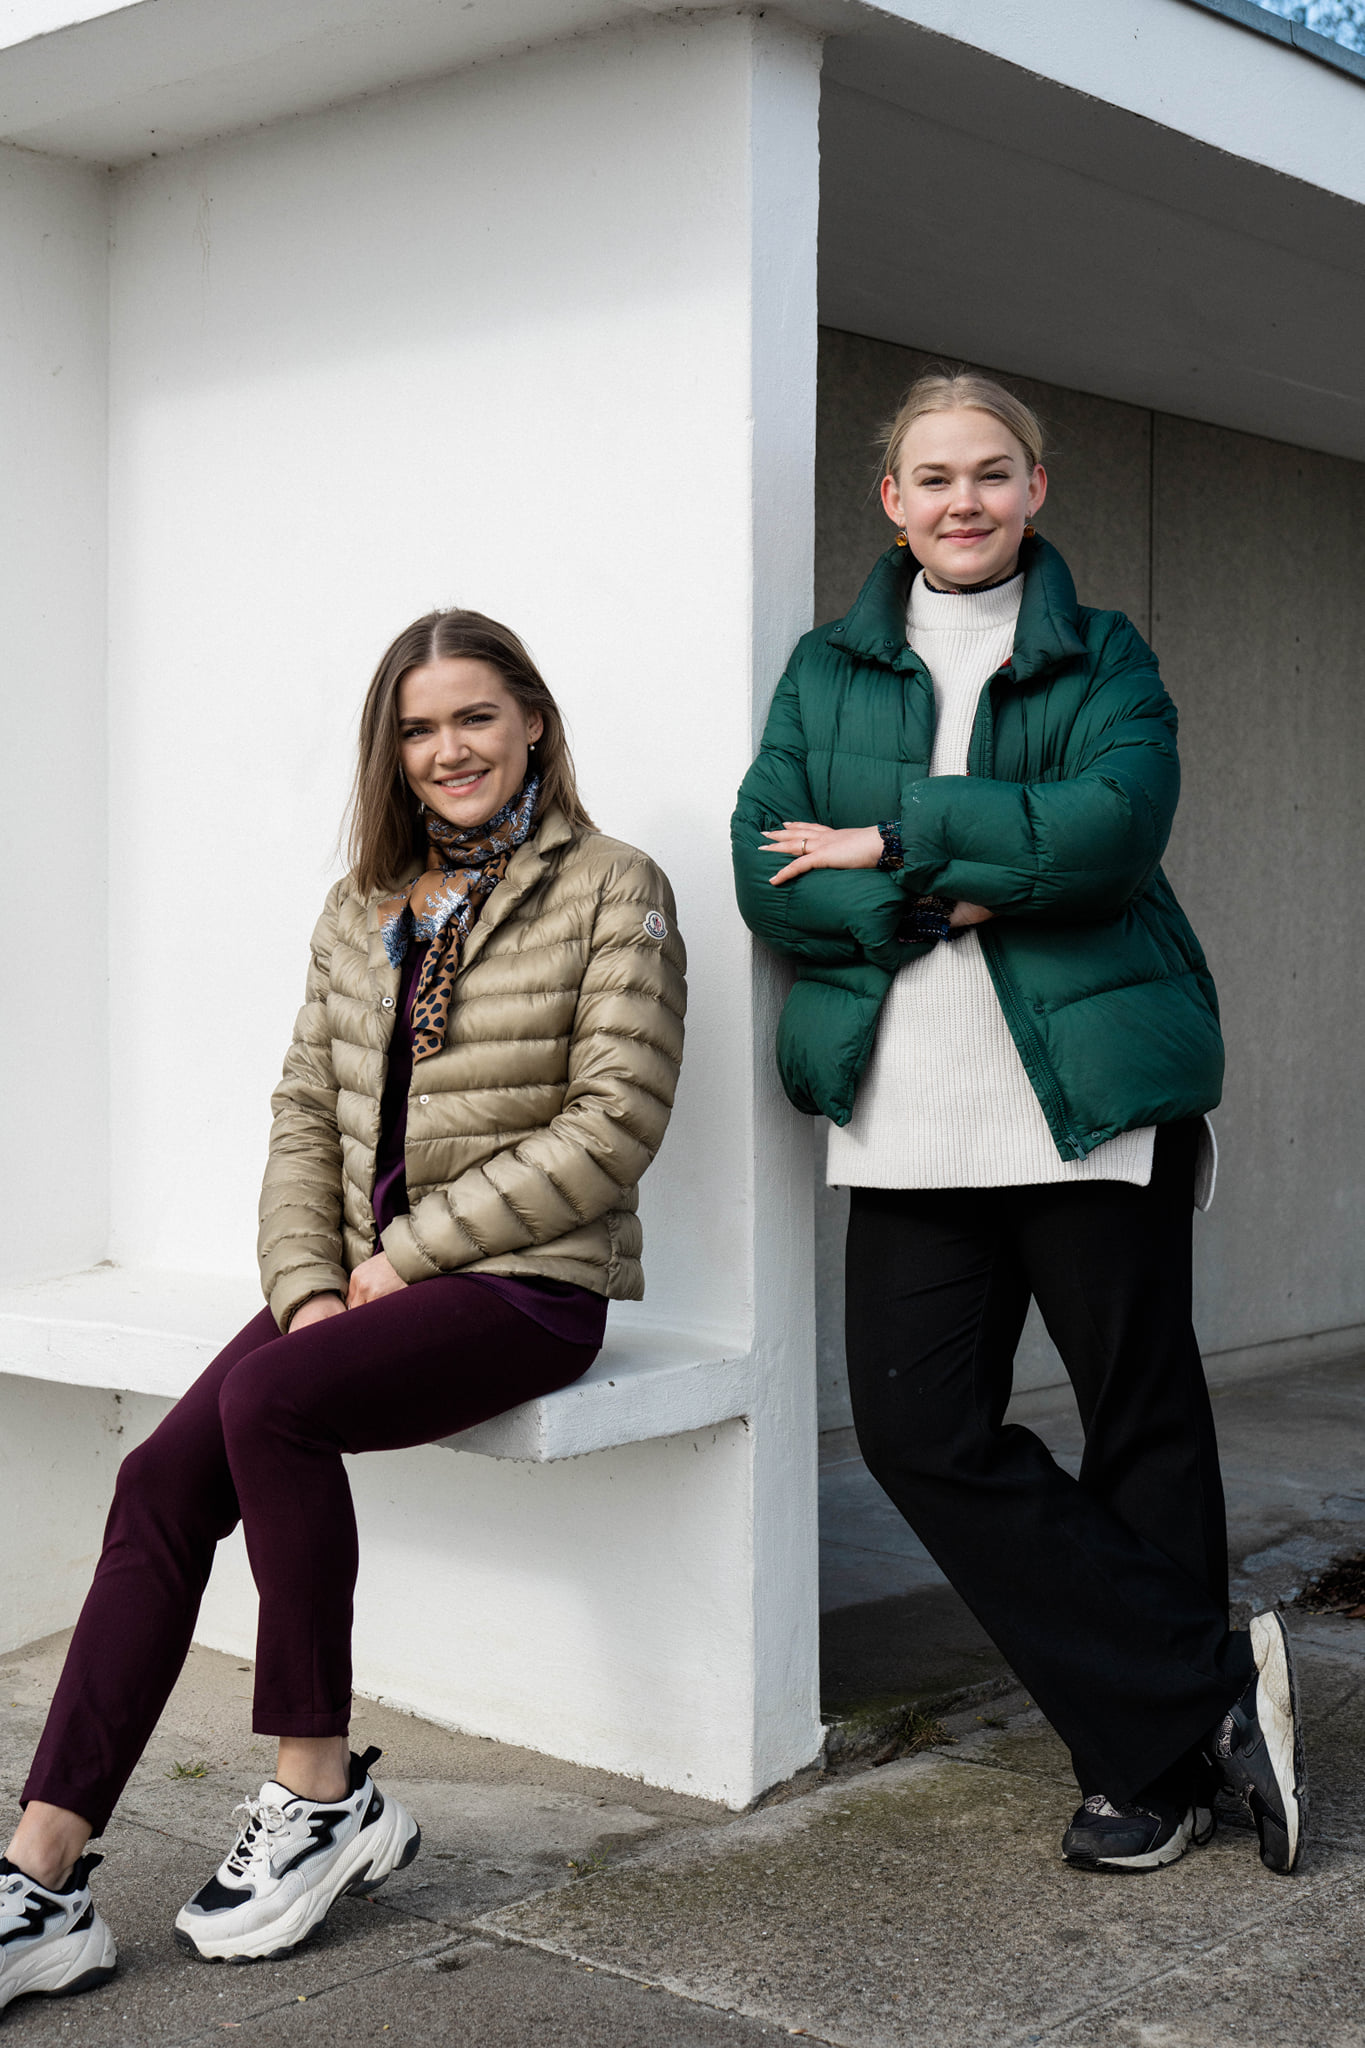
(530, 861)
(524, 870)
(874, 627)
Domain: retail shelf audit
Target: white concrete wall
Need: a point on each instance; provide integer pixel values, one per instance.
(576, 1602)
(486, 343)
(539, 340)
(53, 242)
(60, 1449)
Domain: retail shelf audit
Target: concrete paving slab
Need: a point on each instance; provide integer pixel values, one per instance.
(161, 1995)
(921, 1646)
(497, 1823)
(1331, 1661)
(484, 1997)
(921, 1903)
(1291, 1981)
(853, 1573)
(927, 1903)
(482, 1843)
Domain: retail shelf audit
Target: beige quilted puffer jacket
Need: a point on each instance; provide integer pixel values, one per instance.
(528, 1131)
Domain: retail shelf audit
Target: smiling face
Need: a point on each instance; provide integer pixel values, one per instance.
(463, 738)
(963, 492)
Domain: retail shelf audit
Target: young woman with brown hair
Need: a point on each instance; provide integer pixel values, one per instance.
(954, 828)
(482, 1070)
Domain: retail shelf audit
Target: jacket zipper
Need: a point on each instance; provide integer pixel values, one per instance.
(1031, 1049)
(1038, 1067)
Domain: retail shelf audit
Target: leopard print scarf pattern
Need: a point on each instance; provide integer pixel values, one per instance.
(464, 866)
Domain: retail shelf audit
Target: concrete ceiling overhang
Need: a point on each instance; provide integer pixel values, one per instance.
(114, 84)
(1140, 198)
(972, 207)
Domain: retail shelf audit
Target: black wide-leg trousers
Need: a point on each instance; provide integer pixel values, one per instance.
(1107, 1594)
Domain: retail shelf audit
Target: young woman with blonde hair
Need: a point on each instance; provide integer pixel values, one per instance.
(954, 829)
(482, 1070)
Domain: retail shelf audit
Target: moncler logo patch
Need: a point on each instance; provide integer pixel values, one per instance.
(655, 926)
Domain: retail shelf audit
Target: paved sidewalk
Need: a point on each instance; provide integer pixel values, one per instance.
(920, 1905)
(924, 1905)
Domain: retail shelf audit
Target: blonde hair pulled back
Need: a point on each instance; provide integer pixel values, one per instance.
(955, 390)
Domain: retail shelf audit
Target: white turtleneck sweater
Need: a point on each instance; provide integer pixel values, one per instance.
(945, 1101)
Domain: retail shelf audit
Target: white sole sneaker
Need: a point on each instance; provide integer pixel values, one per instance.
(1277, 1710)
(52, 1944)
(293, 1860)
(1258, 1746)
(1084, 1846)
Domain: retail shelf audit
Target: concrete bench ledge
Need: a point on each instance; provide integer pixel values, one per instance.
(138, 1331)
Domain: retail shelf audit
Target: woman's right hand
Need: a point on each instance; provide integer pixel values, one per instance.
(822, 846)
(316, 1310)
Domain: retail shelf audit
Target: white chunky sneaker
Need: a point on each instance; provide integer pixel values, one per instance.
(292, 1861)
(51, 1942)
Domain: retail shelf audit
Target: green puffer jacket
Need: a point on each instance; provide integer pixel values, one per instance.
(1058, 826)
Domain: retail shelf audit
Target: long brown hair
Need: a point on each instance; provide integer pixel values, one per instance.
(386, 832)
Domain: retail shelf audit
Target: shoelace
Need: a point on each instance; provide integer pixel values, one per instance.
(1225, 1739)
(261, 1820)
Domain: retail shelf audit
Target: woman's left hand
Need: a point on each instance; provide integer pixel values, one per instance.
(821, 846)
(371, 1279)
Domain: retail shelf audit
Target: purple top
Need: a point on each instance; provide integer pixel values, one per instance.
(575, 1314)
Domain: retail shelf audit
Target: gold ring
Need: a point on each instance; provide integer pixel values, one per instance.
(805, 846)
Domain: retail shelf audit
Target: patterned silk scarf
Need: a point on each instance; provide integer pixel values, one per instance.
(464, 867)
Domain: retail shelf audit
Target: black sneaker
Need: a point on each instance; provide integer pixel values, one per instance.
(1141, 1836)
(1258, 1746)
(51, 1941)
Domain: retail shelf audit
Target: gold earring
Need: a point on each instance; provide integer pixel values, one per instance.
(901, 540)
(1030, 530)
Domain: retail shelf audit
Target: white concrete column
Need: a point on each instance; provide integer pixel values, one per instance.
(784, 184)
(53, 242)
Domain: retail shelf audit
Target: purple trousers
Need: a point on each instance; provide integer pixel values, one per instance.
(258, 1439)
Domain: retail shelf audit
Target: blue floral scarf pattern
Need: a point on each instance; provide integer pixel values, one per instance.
(464, 866)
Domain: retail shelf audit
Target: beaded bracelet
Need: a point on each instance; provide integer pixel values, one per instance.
(927, 921)
(893, 853)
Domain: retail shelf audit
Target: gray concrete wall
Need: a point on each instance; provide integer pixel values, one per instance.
(1240, 559)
